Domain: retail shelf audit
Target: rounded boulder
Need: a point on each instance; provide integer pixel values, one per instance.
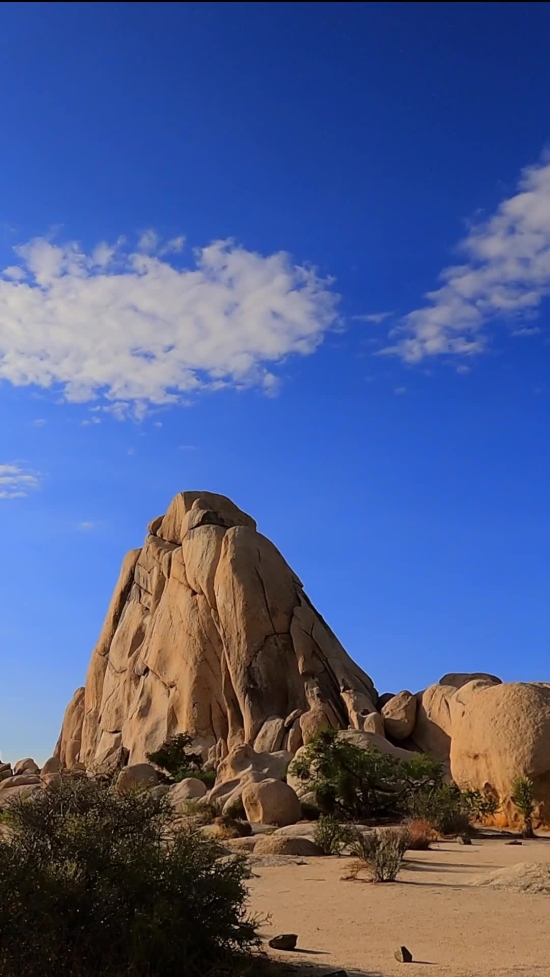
(281, 845)
(271, 802)
(137, 775)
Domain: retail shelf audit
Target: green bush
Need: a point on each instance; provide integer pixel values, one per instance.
(356, 784)
(94, 883)
(449, 809)
(178, 760)
(523, 796)
(380, 851)
(330, 835)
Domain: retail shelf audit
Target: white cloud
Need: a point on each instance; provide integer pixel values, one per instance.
(87, 526)
(376, 317)
(39, 422)
(128, 328)
(506, 275)
(16, 482)
(527, 331)
(400, 390)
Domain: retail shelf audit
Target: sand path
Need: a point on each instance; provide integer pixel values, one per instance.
(452, 928)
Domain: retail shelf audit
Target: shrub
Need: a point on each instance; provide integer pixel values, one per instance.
(380, 852)
(93, 883)
(444, 807)
(177, 759)
(419, 834)
(330, 835)
(356, 784)
(523, 796)
(450, 810)
(203, 813)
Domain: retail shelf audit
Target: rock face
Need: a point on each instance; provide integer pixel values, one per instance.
(502, 732)
(399, 714)
(210, 632)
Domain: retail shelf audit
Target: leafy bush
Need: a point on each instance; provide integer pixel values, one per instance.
(330, 835)
(450, 810)
(95, 883)
(523, 796)
(356, 784)
(177, 759)
(380, 851)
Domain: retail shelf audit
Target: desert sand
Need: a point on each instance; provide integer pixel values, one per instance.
(453, 927)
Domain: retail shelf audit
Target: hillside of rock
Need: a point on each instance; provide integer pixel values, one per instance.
(209, 631)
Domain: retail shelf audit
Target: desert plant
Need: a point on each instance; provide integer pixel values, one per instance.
(355, 784)
(444, 807)
(419, 834)
(523, 796)
(330, 836)
(201, 813)
(94, 882)
(380, 852)
(450, 810)
(177, 758)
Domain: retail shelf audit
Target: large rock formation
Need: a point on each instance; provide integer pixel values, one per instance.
(210, 631)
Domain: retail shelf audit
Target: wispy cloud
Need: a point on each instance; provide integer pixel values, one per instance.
(39, 422)
(506, 275)
(87, 525)
(187, 447)
(17, 482)
(128, 329)
(375, 317)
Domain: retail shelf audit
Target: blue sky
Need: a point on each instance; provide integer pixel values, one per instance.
(298, 253)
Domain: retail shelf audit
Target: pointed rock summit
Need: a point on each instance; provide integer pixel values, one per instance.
(210, 632)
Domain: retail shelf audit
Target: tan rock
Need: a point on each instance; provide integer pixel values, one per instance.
(51, 779)
(373, 722)
(304, 829)
(19, 780)
(372, 741)
(271, 802)
(190, 789)
(53, 765)
(108, 763)
(399, 715)
(458, 679)
(279, 845)
(295, 739)
(17, 793)
(209, 632)
(432, 729)
(25, 766)
(244, 766)
(67, 749)
(137, 775)
(503, 733)
(5, 771)
(271, 735)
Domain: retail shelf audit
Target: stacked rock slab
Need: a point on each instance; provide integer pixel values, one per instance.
(209, 631)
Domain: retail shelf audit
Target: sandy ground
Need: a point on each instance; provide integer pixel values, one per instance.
(452, 928)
